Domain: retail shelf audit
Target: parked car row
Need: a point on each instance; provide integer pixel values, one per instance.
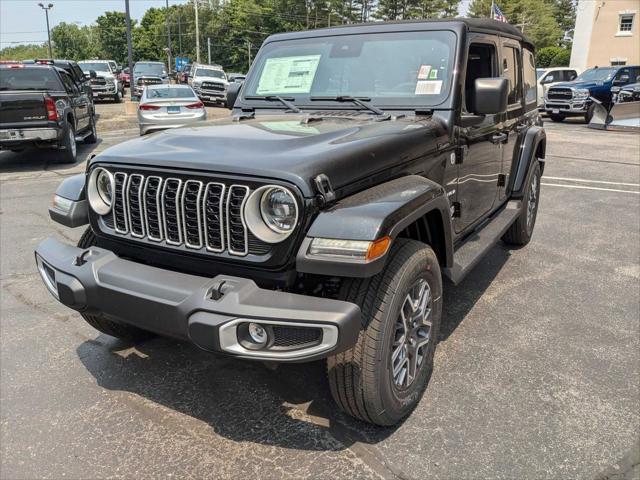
(103, 75)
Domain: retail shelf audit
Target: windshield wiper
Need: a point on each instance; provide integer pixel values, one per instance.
(286, 101)
(361, 101)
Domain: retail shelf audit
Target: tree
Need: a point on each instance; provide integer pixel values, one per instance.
(546, 55)
(112, 35)
(562, 58)
(24, 52)
(74, 42)
(565, 13)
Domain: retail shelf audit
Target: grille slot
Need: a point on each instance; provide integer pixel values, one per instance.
(134, 202)
(191, 195)
(182, 213)
(295, 337)
(119, 207)
(236, 229)
(171, 211)
(153, 208)
(560, 94)
(213, 213)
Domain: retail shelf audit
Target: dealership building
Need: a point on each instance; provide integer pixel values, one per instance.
(606, 33)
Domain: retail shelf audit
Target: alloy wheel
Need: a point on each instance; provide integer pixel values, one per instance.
(412, 334)
(72, 142)
(532, 202)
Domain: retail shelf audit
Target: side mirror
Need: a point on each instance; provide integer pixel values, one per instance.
(490, 96)
(92, 74)
(233, 90)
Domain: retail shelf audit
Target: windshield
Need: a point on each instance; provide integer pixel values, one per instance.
(98, 67)
(170, 92)
(539, 73)
(149, 69)
(29, 79)
(209, 72)
(596, 74)
(394, 69)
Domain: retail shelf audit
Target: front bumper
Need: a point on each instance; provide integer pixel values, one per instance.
(568, 108)
(209, 312)
(211, 95)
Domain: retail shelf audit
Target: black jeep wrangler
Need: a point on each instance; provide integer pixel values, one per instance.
(361, 164)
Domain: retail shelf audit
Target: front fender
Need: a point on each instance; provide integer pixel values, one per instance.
(384, 210)
(71, 209)
(534, 138)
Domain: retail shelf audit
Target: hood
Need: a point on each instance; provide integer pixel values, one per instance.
(577, 85)
(202, 78)
(101, 73)
(284, 147)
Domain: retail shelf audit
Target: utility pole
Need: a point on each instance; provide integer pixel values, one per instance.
(46, 12)
(195, 3)
(249, 52)
(179, 31)
(129, 49)
(209, 48)
(168, 36)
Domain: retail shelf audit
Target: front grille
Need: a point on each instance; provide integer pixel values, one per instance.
(213, 86)
(148, 81)
(185, 213)
(295, 337)
(98, 81)
(559, 94)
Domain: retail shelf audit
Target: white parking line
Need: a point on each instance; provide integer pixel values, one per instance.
(592, 181)
(588, 188)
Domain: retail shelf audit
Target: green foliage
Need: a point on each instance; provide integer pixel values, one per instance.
(24, 52)
(565, 14)
(410, 9)
(561, 59)
(74, 42)
(112, 36)
(545, 55)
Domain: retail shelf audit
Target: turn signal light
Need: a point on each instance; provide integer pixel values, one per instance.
(52, 113)
(378, 248)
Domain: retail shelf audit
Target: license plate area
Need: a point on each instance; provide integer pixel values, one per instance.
(11, 135)
(173, 109)
(555, 111)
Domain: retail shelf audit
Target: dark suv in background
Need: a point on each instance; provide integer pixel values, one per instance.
(319, 221)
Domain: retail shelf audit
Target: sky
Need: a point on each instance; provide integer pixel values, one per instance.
(23, 21)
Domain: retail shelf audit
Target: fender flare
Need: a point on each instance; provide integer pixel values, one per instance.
(384, 210)
(533, 138)
(75, 210)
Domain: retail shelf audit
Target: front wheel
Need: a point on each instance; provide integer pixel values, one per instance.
(382, 378)
(117, 98)
(590, 112)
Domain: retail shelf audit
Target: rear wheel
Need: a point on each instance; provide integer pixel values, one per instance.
(382, 378)
(556, 118)
(118, 330)
(69, 151)
(522, 229)
(93, 135)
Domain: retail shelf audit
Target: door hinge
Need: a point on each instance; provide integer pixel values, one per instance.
(455, 210)
(502, 180)
(461, 152)
(326, 194)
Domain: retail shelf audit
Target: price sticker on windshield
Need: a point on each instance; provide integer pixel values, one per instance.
(428, 87)
(288, 75)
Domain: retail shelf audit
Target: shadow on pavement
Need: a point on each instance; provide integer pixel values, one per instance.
(38, 159)
(247, 402)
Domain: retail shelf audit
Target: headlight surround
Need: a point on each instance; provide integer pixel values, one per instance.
(197, 84)
(100, 190)
(271, 213)
(581, 94)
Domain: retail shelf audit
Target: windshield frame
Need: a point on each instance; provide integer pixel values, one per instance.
(444, 104)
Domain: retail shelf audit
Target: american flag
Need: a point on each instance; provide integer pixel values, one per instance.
(497, 14)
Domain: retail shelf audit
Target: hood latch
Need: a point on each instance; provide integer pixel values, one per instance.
(325, 191)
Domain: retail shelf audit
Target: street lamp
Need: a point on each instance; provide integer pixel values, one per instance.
(46, 11)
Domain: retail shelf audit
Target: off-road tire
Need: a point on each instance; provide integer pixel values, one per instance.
(556, 118)
(361, 378)
(118, 330)
(69, 152)
(93, 135)
(520, 231)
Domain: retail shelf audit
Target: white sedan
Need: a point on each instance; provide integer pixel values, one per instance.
(169, 106)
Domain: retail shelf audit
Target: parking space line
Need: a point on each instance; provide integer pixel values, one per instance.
(592, 181)
(588, 188)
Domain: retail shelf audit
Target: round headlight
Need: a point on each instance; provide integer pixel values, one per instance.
(279, 210)
(100, 190)
(271, 213)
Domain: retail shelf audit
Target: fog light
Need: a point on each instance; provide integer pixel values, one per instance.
(258, 334)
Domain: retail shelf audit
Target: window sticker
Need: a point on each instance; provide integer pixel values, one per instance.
(288, 75)
(428, 87)
(433, 75)
(423, 72)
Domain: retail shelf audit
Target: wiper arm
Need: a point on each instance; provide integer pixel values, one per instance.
(361, 101)
(286, 101)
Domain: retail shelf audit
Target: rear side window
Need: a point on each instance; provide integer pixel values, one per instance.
(530, 89)
(511, 71)
(29, 79)
(68, 83)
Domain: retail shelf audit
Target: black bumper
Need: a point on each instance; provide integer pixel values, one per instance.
(183, 306)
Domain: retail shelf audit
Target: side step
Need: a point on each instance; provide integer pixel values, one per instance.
(480, 242)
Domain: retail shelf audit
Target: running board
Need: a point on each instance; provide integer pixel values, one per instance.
(480, 242)
(80, 138)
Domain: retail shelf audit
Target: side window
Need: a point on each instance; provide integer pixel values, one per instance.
(78, 74)
(530, 88)
(511, 71)
(623, 75)
(69, 86)
(481, 63)
(570, 75)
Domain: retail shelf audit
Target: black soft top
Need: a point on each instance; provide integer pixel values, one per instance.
(483, 25)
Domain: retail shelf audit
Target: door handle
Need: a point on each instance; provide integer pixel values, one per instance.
(499, 138)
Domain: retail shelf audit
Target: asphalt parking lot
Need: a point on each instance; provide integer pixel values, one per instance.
(537, 372)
